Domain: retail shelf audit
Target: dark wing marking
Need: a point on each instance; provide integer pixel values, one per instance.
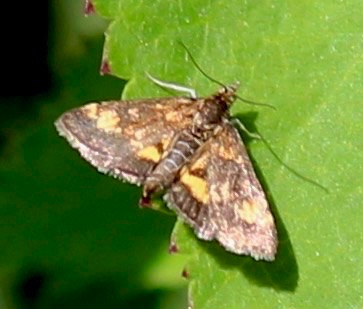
(232, 208)
(126, 138)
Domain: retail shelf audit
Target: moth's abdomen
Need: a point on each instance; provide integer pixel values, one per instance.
(180, 152)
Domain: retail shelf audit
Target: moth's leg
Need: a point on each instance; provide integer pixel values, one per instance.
(191, 92)
(244, 129)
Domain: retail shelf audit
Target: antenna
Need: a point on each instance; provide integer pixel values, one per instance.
(218, 82)
(199, 68)
(255, 103)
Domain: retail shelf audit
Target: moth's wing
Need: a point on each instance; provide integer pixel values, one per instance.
(126, 138)
(219, 195)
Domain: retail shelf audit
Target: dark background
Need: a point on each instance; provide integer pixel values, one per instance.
(69, 236)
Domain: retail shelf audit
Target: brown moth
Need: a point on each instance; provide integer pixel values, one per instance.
(187, 149)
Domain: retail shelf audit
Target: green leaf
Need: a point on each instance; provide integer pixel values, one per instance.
(304, 58)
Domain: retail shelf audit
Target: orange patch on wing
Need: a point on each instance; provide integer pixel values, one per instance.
(197, 186)
(108, 120)
(91, 110)
(150, 153)
(201, 162)
(165, 142)
(134, 113)
(249, 211)
(173, 116)
(227, 153)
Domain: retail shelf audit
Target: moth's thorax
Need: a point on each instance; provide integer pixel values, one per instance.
(213, 109)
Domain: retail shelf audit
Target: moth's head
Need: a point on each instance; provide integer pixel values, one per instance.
(228, 93)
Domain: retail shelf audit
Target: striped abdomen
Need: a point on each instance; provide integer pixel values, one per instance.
(180, 152)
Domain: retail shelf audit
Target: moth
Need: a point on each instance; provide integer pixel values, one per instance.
(187, 149)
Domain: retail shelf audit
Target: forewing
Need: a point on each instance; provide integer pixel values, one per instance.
(219, 195)
(125, 138)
